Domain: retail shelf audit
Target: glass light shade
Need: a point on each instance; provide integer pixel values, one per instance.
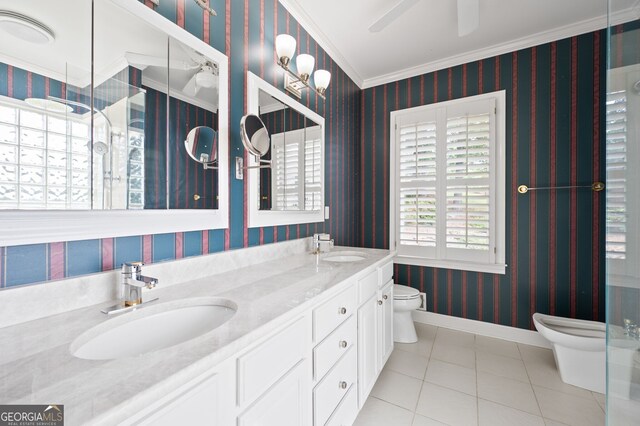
(305, 64)
(322, 79)
(285, 48)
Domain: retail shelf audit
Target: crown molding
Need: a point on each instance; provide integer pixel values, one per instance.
(593, 24)
(321, 38)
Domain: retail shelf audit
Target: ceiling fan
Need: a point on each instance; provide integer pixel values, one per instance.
(468, 15)
(205, 71)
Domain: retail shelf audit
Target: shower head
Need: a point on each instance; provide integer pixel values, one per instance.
(99, 148)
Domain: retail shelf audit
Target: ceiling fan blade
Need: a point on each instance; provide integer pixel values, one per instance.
(144, 61)
(468, 16)
(392, 14)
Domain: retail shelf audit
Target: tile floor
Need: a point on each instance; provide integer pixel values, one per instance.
(454, 378)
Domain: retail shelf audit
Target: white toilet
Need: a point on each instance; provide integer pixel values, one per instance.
(579, 349)
(405, 300)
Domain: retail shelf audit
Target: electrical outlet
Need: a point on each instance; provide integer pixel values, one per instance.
(423, 302)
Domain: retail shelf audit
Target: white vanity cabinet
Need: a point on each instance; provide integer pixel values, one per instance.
(335, 356)
(274, 378)
(210, 396)
(375, 327)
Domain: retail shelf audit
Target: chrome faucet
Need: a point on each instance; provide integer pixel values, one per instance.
(132, 284)
(133, 281)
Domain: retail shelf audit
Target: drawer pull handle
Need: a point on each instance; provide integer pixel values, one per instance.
(385, 297)
(342, 311)
(343, 344)
(343, 385)
(379, 302)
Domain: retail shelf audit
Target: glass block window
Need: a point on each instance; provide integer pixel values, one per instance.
(45, 161)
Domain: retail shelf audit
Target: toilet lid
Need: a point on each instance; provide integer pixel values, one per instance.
(402, 292)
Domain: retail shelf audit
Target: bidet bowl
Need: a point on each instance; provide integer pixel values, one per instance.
(152, 328)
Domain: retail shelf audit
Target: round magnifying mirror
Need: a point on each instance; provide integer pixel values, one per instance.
(202, 144)
(255, 136)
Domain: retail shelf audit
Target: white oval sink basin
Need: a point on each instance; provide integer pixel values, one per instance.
(344, 257)
(151, 328)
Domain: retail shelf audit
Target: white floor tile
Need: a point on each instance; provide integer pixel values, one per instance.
(447, 406)
(397, 389)
(419, 420)
(497, 347)
(513, 393)
(541, 368)
(452, 376)
(379, 413)
(502, 366)
(407, 363)
(465, 357)
(456, 338)
(422, 347)
(601, 399)
(569, 409)
(492, 414)
(549, 422)
(426, 331)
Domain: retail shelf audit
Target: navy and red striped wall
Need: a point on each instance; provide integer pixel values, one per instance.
(245, 31)
(555, 136)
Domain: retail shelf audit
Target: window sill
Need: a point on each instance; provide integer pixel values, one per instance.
(450, 264)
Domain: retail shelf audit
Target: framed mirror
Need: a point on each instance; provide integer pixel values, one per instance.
(95, 137)
(292, 189)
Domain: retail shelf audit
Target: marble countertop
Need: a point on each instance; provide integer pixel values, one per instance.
(36, 366)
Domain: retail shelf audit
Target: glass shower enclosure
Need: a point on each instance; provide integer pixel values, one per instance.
(622, 117)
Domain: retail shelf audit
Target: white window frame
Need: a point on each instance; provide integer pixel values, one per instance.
(434, 258)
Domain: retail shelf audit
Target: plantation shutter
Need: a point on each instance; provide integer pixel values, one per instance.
(312, 169)
(616, 194)
(445, 182)
(469, 139)
(286, 171)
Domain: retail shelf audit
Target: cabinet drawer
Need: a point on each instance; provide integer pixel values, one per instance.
(266, 364)
(333, 347)
(386, 273)
(332, 313)
(328, 394)
(367, 287)
(347, 411)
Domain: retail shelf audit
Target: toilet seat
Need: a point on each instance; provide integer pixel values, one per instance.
(403, 292)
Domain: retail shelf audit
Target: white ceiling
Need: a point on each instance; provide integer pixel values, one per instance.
(425, 38)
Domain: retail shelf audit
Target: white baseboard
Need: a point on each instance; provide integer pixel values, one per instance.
(482, 328)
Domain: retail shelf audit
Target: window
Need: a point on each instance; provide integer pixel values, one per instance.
(616, 149)
(297, 156)
(448, 186)
(44, 159)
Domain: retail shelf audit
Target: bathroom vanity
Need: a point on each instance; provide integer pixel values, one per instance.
(308, 338)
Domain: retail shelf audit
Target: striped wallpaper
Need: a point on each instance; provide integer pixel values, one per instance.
(245, 30)
(555, 240)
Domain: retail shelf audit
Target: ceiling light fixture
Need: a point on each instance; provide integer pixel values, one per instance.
(295, 83)
(25, 28)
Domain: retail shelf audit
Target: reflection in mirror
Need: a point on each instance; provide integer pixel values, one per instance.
(294, 181)
(45, 157)
(202, 146)
(193, 88)
(50, 158)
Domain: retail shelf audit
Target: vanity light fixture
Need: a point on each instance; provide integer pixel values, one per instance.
(25, 28)
(295, 83)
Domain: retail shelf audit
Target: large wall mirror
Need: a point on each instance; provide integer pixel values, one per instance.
(292, 189)
(130, 127)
